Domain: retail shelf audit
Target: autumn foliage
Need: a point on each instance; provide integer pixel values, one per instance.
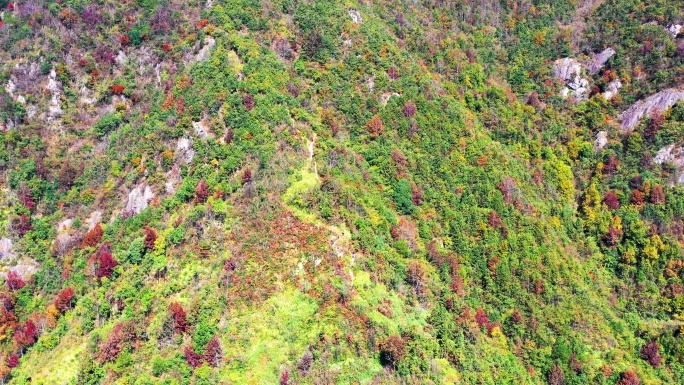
(248, 101)
(375, 126)
(25, 335)
(201, 191)
(180, 323)
(150, 238)
(409, 109)
(611, 200)
(93, 237)
(392, 351)
(629, 378)
(651, 353)
(63, 299)
(23, 225)
(14, 281)
(117, 89)
(104, 261)
(13, 361)
(213, 354)
(193, 359)
(556, 376)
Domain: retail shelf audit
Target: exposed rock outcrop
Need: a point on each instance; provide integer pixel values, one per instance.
(172, 179)
(661, 101)
(569, 70)
(384, 98)
(24, 266)
(139, 198)
(601, 140)
(612, 89)
(95, 218)
(355, 16)
(674, 30)
(6, 251)
(599, 60)
(203, 54)
(201, 129)
(184, 151)
(673, 155)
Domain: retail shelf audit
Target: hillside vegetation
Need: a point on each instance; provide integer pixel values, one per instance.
(341, 192)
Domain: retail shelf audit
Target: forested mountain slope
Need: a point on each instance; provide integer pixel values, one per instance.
(341, 192)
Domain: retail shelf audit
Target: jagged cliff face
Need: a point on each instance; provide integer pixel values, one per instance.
(238, 191)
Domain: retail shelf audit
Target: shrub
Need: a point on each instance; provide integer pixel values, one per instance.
(403, 197)
(107, 124)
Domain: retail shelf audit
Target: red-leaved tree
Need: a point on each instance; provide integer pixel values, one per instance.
(180, 322)
(556, 376)
(111, 347)
(104, 261)
(13, 361)
(651, 353)
(248, 101)
(14, 281)
(201, 191)
(93, 237)
(285, 377)
(409, 109)
(657, 194)
(193, 359)
(25, 335)
(150, 238)
(629, 378)
(611, 200)
(213, 354)
(117, 89)
(23, 225)
(64, 298)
